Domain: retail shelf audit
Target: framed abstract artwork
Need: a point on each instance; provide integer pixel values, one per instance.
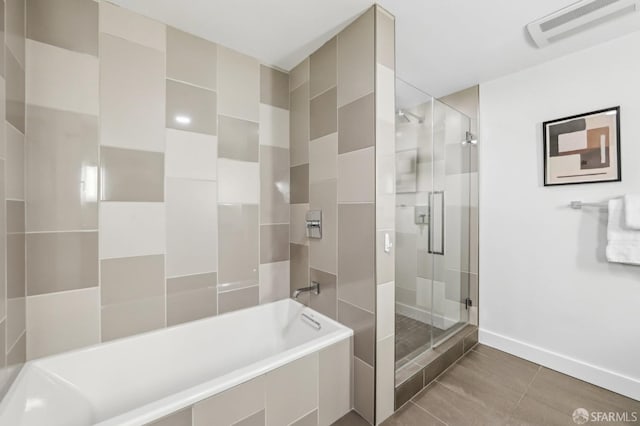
(583, 148)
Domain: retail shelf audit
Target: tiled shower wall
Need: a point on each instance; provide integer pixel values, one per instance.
(12, 190)
(157, 176)
(336, 147)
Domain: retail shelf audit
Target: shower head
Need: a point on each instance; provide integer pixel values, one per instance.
(406, 114)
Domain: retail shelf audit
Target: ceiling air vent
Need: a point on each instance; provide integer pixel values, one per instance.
(578, 17)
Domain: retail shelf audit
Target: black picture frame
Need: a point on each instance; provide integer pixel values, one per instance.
(545, 136)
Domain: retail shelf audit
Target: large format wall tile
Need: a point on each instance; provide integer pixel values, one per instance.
(132, 295)
(363, 324)
(299, 276)
(121, 22)
(233, 300)
(3, 248)
(274, 281)
(62, 321)
(274, 126)
(334, 387)
(356, 59)
(323, 115)
(15, 265)
(61, 79)
(231, 406)
(357, 127)
(191, 297)
(131, 229)
(14, 167)
(191, 59)
(274, 87)
(191, 155)
(3, 109)
(15, 216)
(297, 227)
(62, 157)
(299, 125)
(238, 85)
(61, 261)
(192, 232)
(357, 176)
(15, 28)
(323, 158)
(2, 43)
(238, 181)
(130, 175)
(364, 389)
(70, 24)
(18, 353)
(323, 68)
(356, 260)
(238, 243)
(385, 376)
(191, 108)
(274, 185)
(132, 95)
(274, 243)
(300, 184)
(322, 254)
(292, 391)
(130, 278)
(385, 39)
(16, 321)
(327, 301)
(181, 418)
(15, 92)
(133, 317)
(299, 75)
(237, 139)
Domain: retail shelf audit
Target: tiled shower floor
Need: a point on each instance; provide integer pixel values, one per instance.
(412, 338)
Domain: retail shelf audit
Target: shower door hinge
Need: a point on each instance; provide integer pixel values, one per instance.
(468, 303)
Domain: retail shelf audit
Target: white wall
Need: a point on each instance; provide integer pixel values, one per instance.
(546, 291)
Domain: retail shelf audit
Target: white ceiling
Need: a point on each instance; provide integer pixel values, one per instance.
(442, 46)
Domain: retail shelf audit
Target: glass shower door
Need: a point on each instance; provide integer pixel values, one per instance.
(433, 187)
(450, 212)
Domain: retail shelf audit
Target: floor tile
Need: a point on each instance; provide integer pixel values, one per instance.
(456, 409)
(565, 393)
(481, 388)
(351, 419)
(411, 415)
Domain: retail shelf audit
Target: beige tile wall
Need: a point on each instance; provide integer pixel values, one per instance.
(342, 137)
(157, 177)
(12, 191)
(311, 391)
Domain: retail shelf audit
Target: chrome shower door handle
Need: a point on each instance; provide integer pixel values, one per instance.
(436, 224)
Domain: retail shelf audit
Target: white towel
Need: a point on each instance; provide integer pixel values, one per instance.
(632, 211)
(624, 243)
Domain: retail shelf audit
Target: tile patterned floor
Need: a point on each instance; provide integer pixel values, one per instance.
(412, 337)
(490, 387)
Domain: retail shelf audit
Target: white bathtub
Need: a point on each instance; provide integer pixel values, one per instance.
(139, 379)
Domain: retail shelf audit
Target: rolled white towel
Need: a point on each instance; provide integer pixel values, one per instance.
(617, 229)
(632, 211)
(623, 243)
(620, 252)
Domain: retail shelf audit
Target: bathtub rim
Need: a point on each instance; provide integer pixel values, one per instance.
(183, 399)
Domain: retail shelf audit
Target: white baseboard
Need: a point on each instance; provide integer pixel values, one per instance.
(572, 367)
(424, 316)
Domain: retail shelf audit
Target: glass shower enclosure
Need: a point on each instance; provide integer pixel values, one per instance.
(434, 148)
